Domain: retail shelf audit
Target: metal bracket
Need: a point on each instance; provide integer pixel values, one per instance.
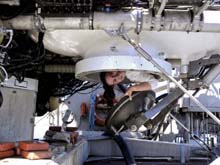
(139, 21)
(196, 66)
(192, 85)
(39, 23)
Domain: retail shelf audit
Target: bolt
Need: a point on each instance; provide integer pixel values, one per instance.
(133, 128)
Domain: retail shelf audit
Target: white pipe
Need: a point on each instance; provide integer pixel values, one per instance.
(202, 8)
(50, 23)
(162, 6)
(173, 20)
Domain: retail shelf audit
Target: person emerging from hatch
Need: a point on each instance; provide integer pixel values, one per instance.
(144, 81)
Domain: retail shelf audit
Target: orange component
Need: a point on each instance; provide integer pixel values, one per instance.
(6, 146)
(34, 155)
(83, 108)
(5, 154)
(99, 121)
(33, 145)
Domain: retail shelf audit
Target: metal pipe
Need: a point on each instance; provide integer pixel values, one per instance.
(188, 124)
(173, 20)
(50, 23)
(183, 126)
(162, 6)
(202, 8)
(192, 122)
(148, 57)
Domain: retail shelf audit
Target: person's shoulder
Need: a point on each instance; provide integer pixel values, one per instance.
(139, 76)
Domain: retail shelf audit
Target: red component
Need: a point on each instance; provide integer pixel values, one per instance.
(99, 121)
(83, 108)
(6, 146)
(33, 145)
(5, 154)
(35, 155)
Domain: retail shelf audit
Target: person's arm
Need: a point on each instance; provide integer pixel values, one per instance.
(144, 86)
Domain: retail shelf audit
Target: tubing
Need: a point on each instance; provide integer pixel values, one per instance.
(129, 159)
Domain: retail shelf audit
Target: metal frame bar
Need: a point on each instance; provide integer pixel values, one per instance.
(202, 8)
(161, 8)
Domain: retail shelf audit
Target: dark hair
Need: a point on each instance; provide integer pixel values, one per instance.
(109, 93)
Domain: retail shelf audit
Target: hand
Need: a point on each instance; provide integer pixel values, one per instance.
(129, 92)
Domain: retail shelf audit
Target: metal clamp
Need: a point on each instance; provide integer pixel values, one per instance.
(39, 23)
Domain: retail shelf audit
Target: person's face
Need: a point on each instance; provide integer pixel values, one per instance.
(115, 77)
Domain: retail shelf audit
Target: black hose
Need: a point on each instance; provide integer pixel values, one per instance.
(129, 158)
(122, 88)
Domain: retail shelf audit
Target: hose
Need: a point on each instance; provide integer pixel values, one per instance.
(129, 159)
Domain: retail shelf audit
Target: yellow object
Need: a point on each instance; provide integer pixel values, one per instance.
(54, 103)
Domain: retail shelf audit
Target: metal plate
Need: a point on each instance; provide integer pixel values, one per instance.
(125, 108)
(90, 68)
